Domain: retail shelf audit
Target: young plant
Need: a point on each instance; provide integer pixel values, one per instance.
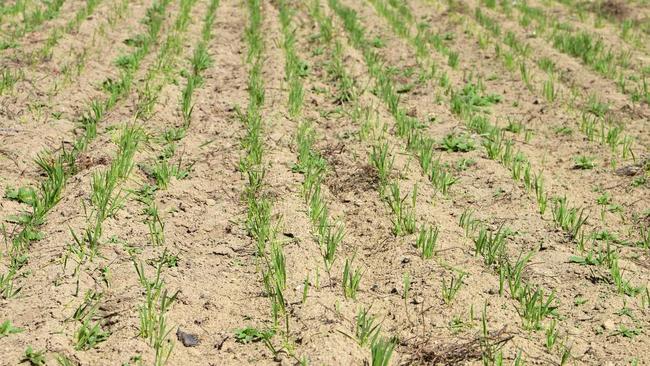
(427, 241)
(449, 291)
(403, 214)
(366, 330)
(351, 280)
(382, 350)
(7, 329)
(583, 162)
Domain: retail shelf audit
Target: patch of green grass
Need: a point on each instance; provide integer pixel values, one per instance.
(458, 143)
(583, 162)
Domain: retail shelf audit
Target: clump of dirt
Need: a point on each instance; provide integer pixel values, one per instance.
(612, 9)
(353, 180)
(456, 352)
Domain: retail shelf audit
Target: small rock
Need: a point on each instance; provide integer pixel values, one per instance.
(210, 202)
(222, 249)
(609, 325)
(418, 300)
(573, 331)
(406, 260)
(188, 339)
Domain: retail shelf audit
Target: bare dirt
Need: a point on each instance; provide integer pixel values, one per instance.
(217, 274)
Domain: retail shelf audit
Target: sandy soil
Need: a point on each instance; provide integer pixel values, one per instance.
(216, 272)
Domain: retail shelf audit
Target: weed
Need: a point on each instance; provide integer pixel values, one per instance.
(89, 335)
(583, 162)
(35, 358)
(7, 329)
(456, 143)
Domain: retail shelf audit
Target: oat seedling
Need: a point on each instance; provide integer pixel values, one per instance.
(153, 322)
(494, 145)
(622, 285)
(566, 355)
(644, 235)
(596, 107)
(550, 93)
(551, 335)
(406, 286)
(331, 237)
(351, 280)
(449, 292)
(540, 194)
(535, 306)
(468, 222)
(514, 126)
(570, 219)
(89, 335)
(626, 332)
(163, 171)
(563, 130)
(513, 272)
(366, 330)
(382, 160)
(403, 215)
(155, 224)
(546, 64)
(583, 162)
(7, 329)
(491, 245)
(8, 79)
(35, 358)
(63, 360)
(427, 241)
(453, 60)
(489, 349)
(278, 265)
(305, 289)
(382, 350)
(525, 75)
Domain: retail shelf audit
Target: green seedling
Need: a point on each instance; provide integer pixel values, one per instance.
(382, 350)
(382, 160)
(403, 214)
(34, 358)
(366, 330)
(449, 291)
(551, 335)
(351, 280)
(570, 219)
(583, 162)
(491, 245)
(6, 329)
(458, 143)
(535, 306)
(427, 241)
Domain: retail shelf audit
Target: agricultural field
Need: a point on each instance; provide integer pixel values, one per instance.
(325, 182)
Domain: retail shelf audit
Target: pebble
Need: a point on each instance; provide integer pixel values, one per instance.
(609, 325)
(188, 339)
